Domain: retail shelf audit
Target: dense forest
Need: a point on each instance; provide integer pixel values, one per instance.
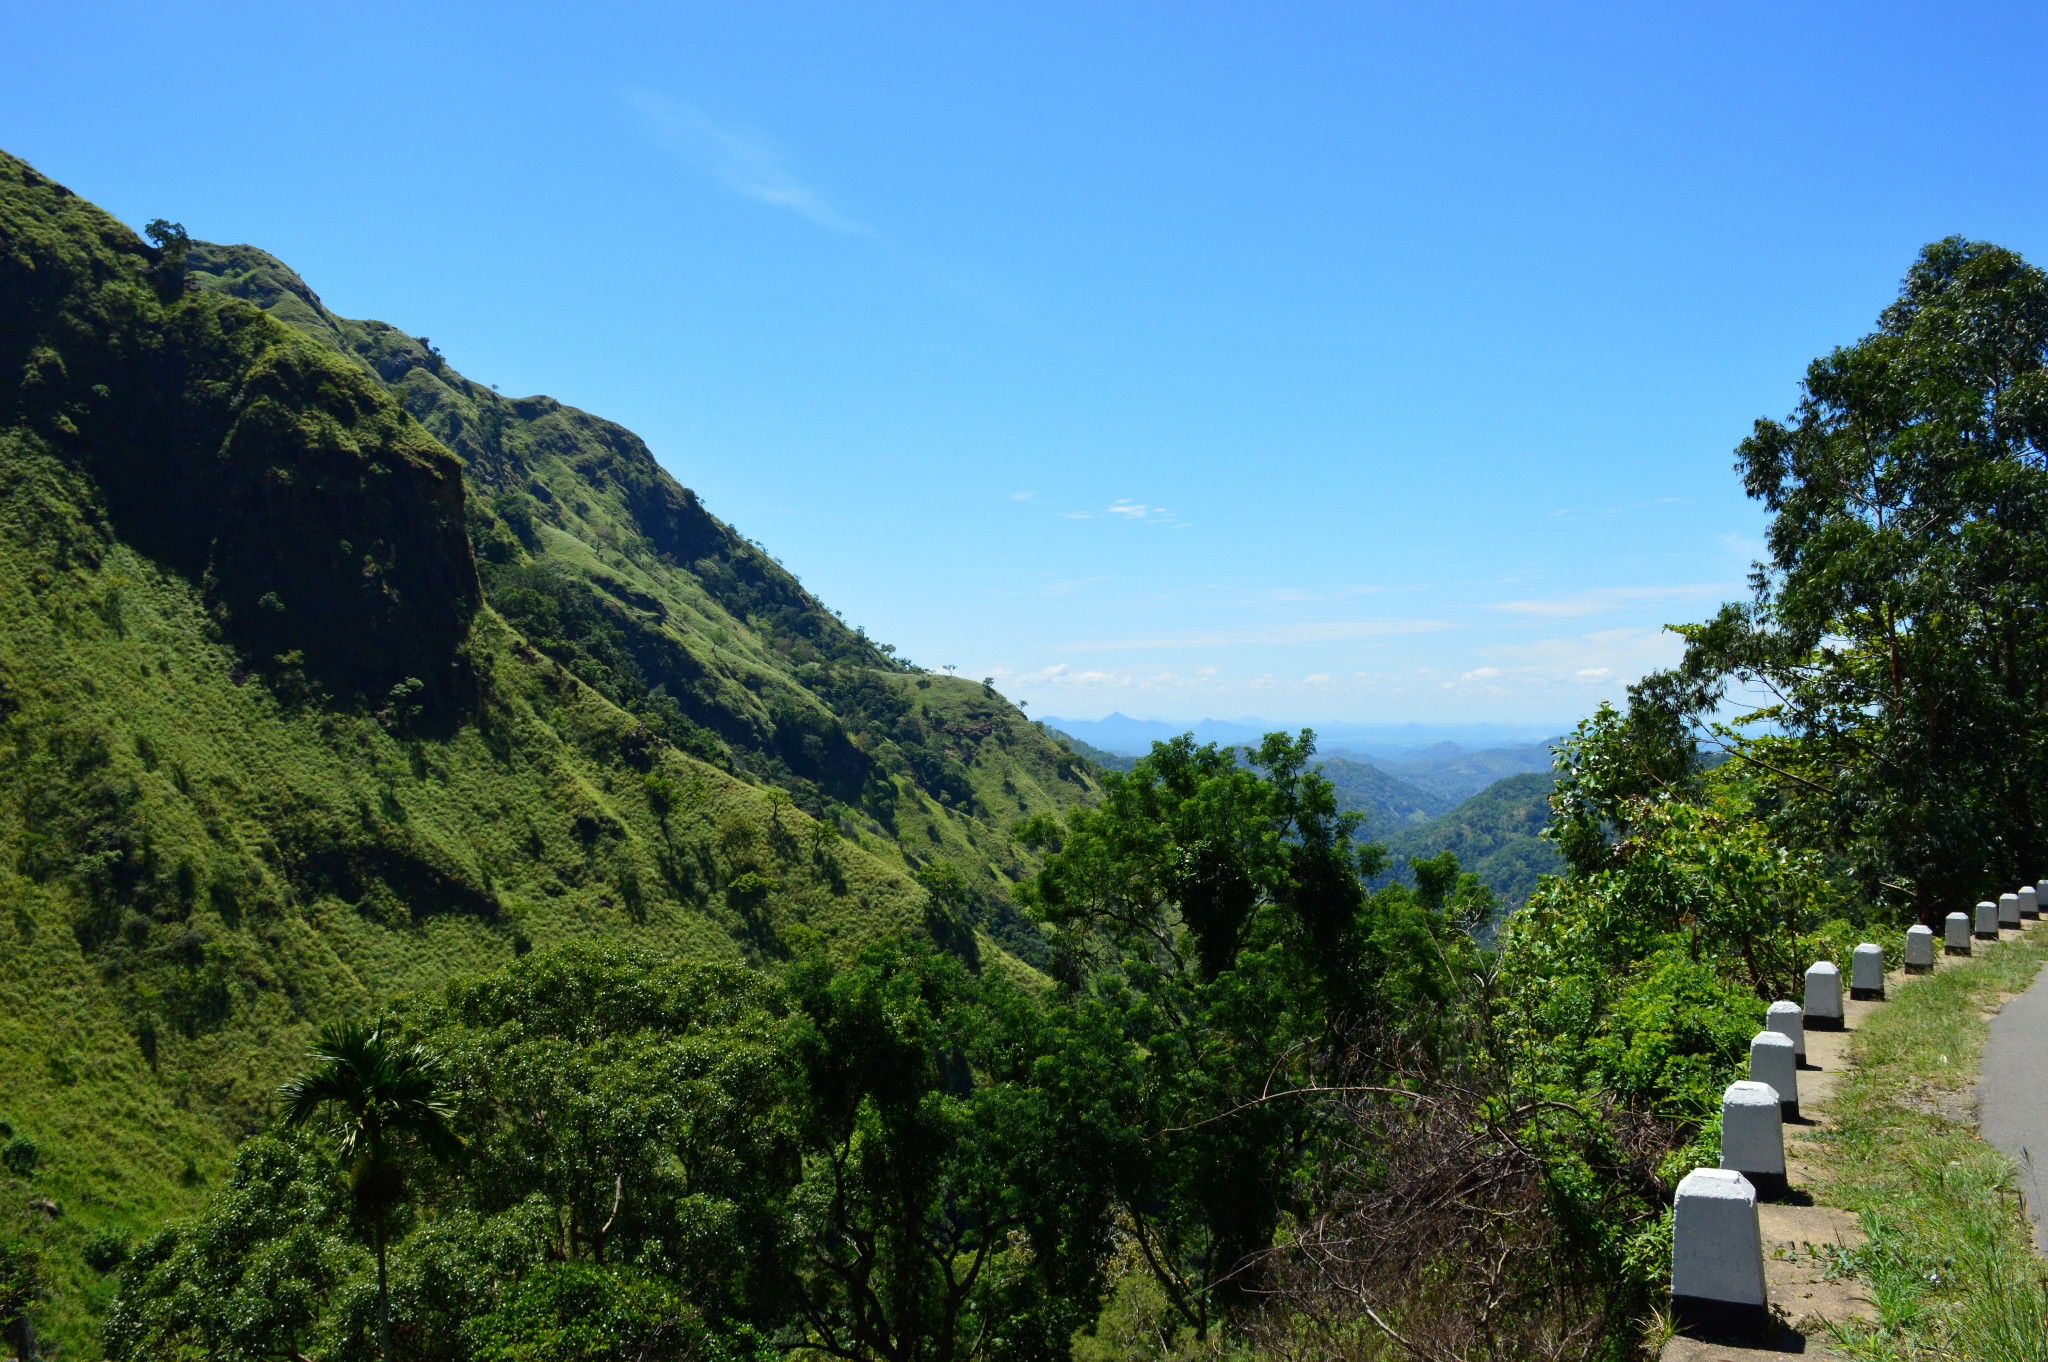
(463, 901)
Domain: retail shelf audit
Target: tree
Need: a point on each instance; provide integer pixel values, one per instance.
(1217, 906)
(961, 1144)
(1898, 623)
(173, 243)
(385, 1097)
(21, 1287)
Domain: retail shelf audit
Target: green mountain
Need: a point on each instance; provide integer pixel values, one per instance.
(613, 569)
(328, 676)
(1389, 803)
(1495, 836)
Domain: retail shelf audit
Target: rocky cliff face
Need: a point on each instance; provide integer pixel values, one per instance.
(325, 525)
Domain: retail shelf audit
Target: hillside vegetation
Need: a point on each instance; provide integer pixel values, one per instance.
(280, 756)
(1496, 834)
(607, 565)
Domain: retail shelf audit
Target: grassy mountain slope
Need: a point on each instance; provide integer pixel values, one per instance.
(614, 569)
(1494, 834)
(277, 758)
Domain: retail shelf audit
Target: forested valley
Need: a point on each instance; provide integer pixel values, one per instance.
(460, 900)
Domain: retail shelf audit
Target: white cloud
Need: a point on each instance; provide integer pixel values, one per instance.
(1317, 678)
(1606, 598)
(742, 161)
(1619, 652)
(1022, 496)
(1324, 631)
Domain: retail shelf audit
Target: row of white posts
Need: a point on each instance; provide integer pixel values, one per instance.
(1717, 1260)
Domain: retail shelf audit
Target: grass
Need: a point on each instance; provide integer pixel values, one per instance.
(1949, 1262)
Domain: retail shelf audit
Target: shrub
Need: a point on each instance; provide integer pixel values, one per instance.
(105, 1251)
(21, 1154)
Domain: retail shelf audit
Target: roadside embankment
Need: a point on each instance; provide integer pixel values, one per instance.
(1902, 1234)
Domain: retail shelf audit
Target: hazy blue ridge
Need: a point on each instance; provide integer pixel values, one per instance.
(1087, 751)
(1453, 773)
(1381, 743)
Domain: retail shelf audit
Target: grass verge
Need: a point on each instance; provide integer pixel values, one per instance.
(1949, 1262)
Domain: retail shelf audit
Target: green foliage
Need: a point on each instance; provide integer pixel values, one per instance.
(643, 1107)
(962, 1147)
(251, 1278)
(105, 1251)
(1219, 910)
(1898, 620)
(20, 1156)
(890, 1157)
(1496, 835)
(381, 1096)
(577, 1312)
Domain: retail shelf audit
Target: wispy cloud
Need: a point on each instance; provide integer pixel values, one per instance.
(1022, 496)
(1130, 512)
(1606, 598)
(1744, 546)
(742, 161)
(1321, 631)
(1604, 511)
(1598, 656)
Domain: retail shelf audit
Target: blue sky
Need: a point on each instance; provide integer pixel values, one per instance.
(1311, 362)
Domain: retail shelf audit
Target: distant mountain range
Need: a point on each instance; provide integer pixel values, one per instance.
(1452, 773)
(1382, 743)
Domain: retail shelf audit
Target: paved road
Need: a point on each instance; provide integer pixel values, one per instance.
(2012, 1095)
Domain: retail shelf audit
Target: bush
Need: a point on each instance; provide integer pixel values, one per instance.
(577, 1312)
(105, 1251)
(21, 1154)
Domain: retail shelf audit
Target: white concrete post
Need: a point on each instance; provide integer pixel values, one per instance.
(2009, 912)
(2030, 903)
(1753, 1136)
(1987, 921)
(1717, 1254)
(1772, 1060)
(1956, 934)
(1866, 972)
(1919, 949)
(1823, 996)
(1788, 1021)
